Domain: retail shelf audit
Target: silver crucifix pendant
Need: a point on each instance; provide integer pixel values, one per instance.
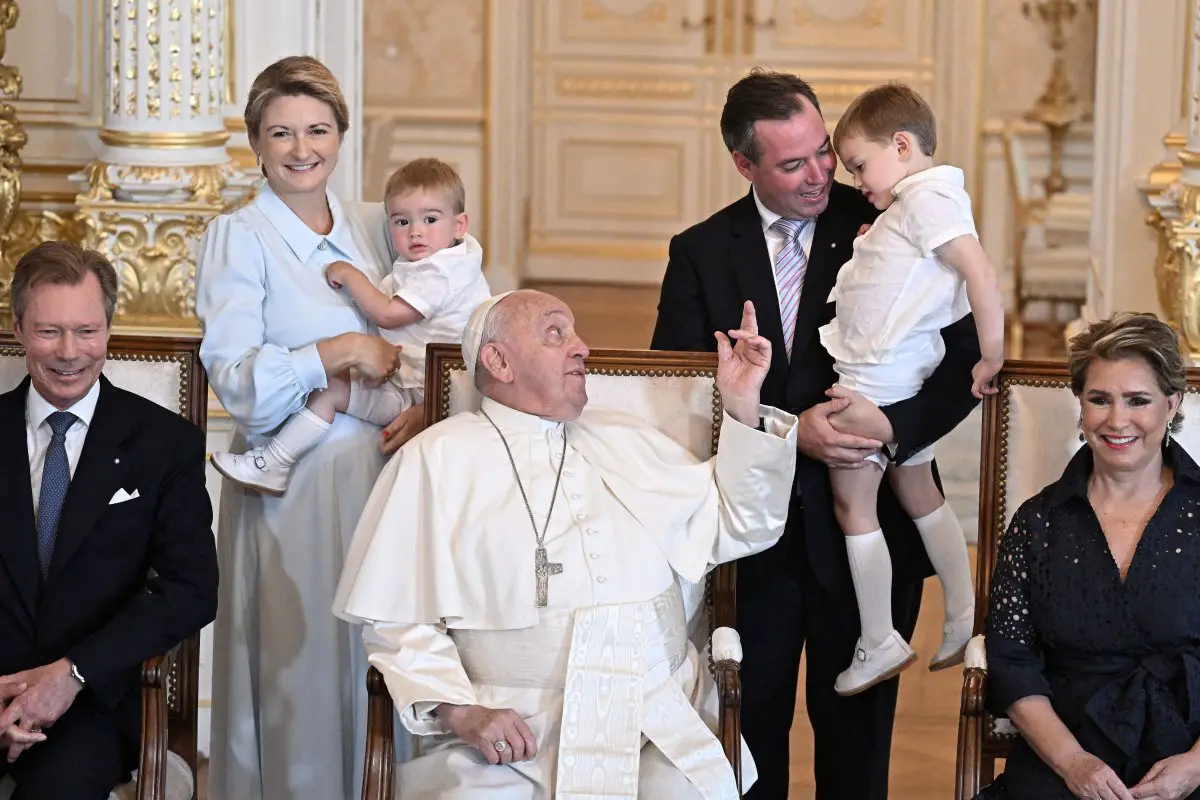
(543, 568)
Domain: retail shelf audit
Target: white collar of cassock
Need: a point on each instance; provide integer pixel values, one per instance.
(512, 421)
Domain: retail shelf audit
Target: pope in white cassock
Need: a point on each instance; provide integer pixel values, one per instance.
(516, 572)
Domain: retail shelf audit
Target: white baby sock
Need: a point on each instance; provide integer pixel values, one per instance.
(301, 433)
(871, 567)
(947, 549)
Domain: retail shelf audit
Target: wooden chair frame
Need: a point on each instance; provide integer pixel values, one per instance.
(171, 681)
(980, 744)
(719, 596)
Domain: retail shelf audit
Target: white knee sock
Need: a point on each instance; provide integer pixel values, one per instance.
(378, 405)
(947, 549)
(871, 567)
(301, 433)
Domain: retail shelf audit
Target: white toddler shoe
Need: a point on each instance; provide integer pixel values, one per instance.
(874, 665)
(955, 635)
(254, 469)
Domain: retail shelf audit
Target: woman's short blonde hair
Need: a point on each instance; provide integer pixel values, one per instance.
(1129, 335)
(289, 77)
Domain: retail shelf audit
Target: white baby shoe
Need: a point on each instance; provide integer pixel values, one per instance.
(955, 635)
(254, 470)
(874, 665)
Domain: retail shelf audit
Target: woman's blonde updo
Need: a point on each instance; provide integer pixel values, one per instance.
(291, 76)
(1129, 335)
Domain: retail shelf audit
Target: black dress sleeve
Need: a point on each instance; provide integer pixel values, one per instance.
(1015, 666)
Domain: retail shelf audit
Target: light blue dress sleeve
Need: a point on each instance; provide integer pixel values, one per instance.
(259, 383)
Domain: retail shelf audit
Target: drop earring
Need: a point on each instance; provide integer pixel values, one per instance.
(1082, 438)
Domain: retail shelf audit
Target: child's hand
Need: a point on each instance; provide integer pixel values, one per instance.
(335, 272)
(982, 375)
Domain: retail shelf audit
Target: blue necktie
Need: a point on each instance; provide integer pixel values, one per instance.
(56, 479)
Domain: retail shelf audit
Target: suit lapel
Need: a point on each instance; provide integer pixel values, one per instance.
(18, 542)
(98, 475)
(752, 265)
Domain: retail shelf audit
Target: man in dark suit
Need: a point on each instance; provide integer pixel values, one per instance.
(781, 246)
(106, 547)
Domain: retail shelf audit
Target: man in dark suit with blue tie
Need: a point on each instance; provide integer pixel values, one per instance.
(782, 246)
(106, 549)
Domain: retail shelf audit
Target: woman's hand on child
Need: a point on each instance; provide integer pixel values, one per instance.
(982, 375)
(404, 427)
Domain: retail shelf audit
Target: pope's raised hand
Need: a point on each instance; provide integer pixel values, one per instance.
(742, 367)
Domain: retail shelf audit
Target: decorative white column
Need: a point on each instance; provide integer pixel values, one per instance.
(163, 170)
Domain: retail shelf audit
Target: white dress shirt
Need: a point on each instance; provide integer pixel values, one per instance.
(38, 434)
(775, 238)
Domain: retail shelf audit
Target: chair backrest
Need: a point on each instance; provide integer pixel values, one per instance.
(1030, 432)
(675, 392)
(166, 370)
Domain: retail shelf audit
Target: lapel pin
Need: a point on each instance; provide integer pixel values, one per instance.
(116, 461)
(832, 244)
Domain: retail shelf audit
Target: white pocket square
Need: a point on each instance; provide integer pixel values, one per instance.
(121, 496)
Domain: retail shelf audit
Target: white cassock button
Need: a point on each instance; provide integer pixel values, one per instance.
(567, 472)
(595, 556)
(592, 531)
(581, 516)
(601, 579)
(575, 497)
(323, 244)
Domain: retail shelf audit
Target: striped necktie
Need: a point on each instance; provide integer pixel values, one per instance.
(790, 267)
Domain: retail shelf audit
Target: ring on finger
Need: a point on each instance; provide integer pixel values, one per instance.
(501, 746)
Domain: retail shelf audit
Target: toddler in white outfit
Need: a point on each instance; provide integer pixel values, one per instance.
(435, 284)
(918, 269)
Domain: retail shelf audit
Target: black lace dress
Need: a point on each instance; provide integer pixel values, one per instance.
(1119, 661)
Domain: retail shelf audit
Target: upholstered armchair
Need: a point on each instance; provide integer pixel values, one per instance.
(168, 371)
(676, 392)
(1030, 431)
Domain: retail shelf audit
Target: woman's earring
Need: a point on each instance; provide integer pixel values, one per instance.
(1082, 438)
(257, 160)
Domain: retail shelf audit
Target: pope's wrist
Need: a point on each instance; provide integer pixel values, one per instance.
(744, 412)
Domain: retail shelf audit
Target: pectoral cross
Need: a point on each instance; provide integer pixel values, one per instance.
(543, 568)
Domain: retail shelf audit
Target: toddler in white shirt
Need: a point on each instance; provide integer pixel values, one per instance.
(918, 269)
(435, 284)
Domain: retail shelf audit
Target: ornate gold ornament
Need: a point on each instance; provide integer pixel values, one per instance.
(1058, 107)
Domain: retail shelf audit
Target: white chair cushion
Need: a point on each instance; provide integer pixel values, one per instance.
(181, 785)
(726, 645)
(159, 381)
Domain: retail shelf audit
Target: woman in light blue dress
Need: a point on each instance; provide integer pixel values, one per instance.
(289, 706)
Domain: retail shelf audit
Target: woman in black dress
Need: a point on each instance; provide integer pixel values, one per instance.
(1093, 631)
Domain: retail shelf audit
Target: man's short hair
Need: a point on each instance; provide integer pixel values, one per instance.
(762, 94)
(63, 264)
(430, 174)
(880, 113)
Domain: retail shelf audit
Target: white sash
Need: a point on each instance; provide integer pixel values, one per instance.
(619, 686)
(615, 665)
